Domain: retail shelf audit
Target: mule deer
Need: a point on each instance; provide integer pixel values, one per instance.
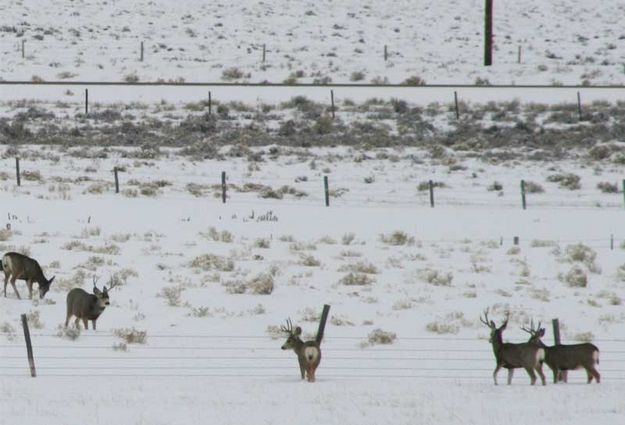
(19, 266)
(529, 356)
(308, 353)
(562, 358)
(86, 306)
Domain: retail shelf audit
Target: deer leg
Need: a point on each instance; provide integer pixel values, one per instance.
(86, 323)
(564, 376)
(93, 322)
(539, 368)
(302, 368)
(13, 279)
(595, 374)
(530, 372)
(311, 374)
(6, 280)
(77, 323)
(510, 373)
(29, 284)
(495, 373)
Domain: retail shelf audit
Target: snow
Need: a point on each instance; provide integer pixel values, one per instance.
(213, 354)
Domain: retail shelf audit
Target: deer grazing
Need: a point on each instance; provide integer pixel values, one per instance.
(308, 353)
(19, 266)
(85, 306)
(562, 358)
(528, 356)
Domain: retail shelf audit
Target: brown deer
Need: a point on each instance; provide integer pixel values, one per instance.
(562, 358)
(19, 266)
(308, 353)
(528, 356)
(85, 306)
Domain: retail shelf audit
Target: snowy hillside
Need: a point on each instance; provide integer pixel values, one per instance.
(440, 42)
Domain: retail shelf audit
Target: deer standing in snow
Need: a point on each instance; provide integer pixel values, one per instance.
(308, 353)
(528, 356)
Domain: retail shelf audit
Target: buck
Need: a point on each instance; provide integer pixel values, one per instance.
(528, 356)
(308, 353)
(85, 306)
(19, 266)
(561, 358)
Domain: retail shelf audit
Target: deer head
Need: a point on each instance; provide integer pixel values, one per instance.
(495, 332)
(293, 336)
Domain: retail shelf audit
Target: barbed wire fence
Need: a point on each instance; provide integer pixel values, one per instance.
(259, 356)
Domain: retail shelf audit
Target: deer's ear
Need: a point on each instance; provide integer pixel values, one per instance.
(298, 331)
(96, 290)
(104, 290)
(50, 281)
(541, 332)
(503, 327)
(493, 325)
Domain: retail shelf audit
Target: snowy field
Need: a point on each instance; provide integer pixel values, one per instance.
(202, 287)
(209, 283)
(561, 42)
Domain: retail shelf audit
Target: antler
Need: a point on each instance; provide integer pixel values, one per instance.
(532, 331)
(95, 280)
(113, 283)
(485, 320)
(288, 328)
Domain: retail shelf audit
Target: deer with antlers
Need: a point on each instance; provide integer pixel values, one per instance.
(85, 306)
(528, 356)
(308, 353)
(561, 358)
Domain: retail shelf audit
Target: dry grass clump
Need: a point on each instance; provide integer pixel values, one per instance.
(397, 238)
(33, 176)
(261, 284)
(109, 249)
(8, 330)
(607, 187)
(309, 261)
(356, 279)
(576, 277)
(301, 246)
(565, 180)
(217, 236)
(71, 332)
(581, 253)
(584, 337)
(75, 281)
(532, 187)
(435, 277)
(262, 243)
(5, 234)
(34, 319)
(450, 324)
(131, 335)
(359, 267)
(348, 238)
(379, 336)
(172, 294)
(207, 262)
(540, 243)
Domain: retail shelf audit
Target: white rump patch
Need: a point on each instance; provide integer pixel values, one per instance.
(540, 355)
(311, 354)
(595, 356)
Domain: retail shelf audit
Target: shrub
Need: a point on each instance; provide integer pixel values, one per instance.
(172, 295)
(71, 332)
(356, 279)
(531, 187)
(414, 80)
(207, 262)
(435, 277)
(232, 74)
(131, 335)
(397, 238)
(379, 336)
(261, 284)
(566, 180)
(575, 277)
(607, 187)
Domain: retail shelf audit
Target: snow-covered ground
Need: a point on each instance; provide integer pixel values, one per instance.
(561, 42)
(191, 266)
(192, 333)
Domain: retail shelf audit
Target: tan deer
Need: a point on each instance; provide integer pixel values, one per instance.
(19, 266)
(561, 358)
(308, 353)
(528, 356)
(85, 306)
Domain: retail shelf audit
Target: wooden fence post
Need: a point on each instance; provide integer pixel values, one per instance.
(327, 190)
(523, 194)
(488, 33)
(456, 105)
(115, 171)
(332, 100)
(431, 186)
(264, 52)
(17, 171)
(210, 103)
(611, 242)
(86, 101)
(385, 53)
(29, 347)
(23, 49)
(556, 331)
(322, 322)
(579, 106)
(515, 240)
(518, 56)
(141, 58)
(623, 184)
(223, 187)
